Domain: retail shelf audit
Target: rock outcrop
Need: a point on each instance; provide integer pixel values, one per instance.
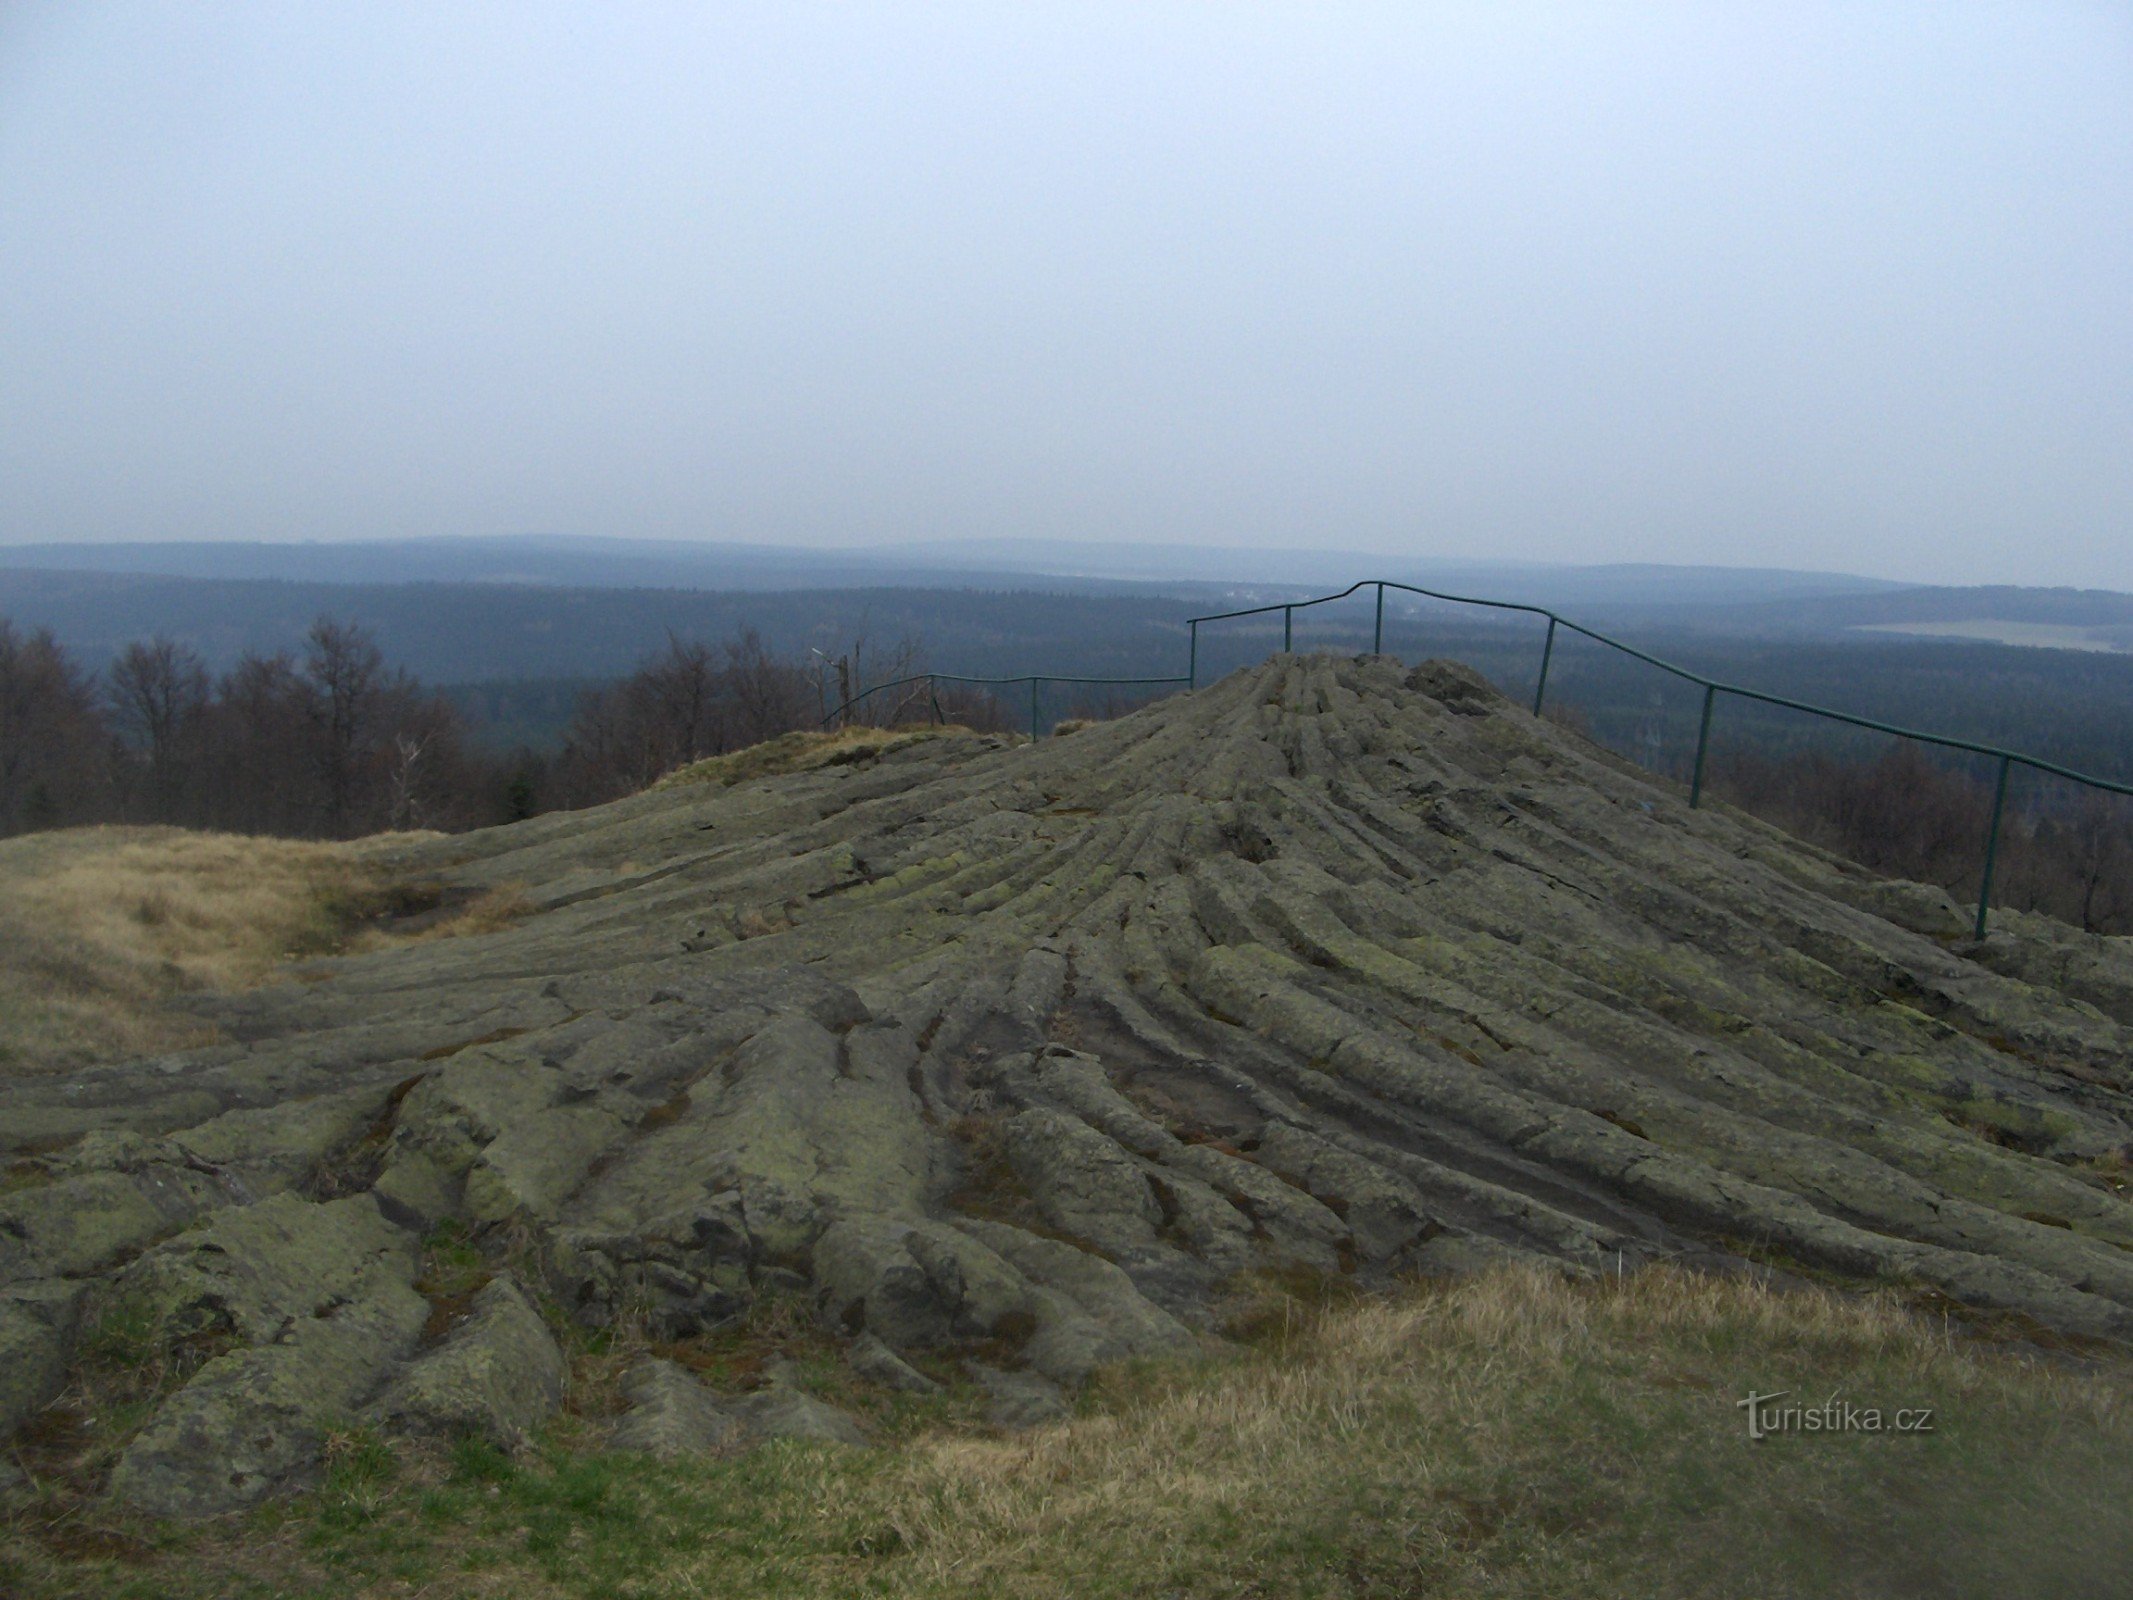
(497, 1375)
(1019, 1054)
(673, 1415)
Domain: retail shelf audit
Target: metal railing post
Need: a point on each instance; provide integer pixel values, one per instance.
(1992, 846)
(1033, 711)
(1288, 624)
(1703, 743)
(933, 693)
(1192, 657)
(1547, 650)
(1377, 634)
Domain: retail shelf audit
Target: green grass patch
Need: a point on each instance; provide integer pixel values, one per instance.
(1512, 1435)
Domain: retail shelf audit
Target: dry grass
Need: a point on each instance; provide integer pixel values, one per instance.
(1525, 1434)
(490, 911)
(1519, 1435)
(101, 927)
(104, 926)
(803, 752)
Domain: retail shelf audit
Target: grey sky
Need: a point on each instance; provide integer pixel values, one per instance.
(1845, 287)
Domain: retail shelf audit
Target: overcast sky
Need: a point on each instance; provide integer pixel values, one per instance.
(1843, 287)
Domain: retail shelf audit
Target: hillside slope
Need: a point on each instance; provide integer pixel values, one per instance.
(1022, 1053)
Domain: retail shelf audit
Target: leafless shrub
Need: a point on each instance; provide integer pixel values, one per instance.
(1908, 816)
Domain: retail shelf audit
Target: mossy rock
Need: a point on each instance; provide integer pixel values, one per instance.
(1022, 1056)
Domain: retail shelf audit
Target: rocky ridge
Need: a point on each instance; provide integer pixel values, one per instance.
(1020, 1054)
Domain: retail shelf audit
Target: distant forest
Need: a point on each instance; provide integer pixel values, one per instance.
(467, 633)
(514, 660)
(331, 742)
(332, 739)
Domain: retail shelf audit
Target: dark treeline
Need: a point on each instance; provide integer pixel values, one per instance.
(336, 742)
(330, 743)
(463, 633)
(516, 657)
(692, 700)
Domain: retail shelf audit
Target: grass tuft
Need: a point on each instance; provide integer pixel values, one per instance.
(106, 927)
(803, 752)
(1509, 1436)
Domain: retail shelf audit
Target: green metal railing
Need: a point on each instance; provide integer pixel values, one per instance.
(1712, 689)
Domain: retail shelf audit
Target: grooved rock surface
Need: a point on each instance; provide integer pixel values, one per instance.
(254, 1421)
(1020, 1053)
(495, 1376)
(672, 1415)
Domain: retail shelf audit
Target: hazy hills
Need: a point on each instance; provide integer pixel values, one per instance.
(2081, 619)
(517, 627)
(1006, 563)
(1759, 602)
(475, 632)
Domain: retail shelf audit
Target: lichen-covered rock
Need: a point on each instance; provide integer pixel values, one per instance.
(537, 1164)
(683, 1272)
(874, 1361)
(269, 1148)
(454, 1116)
(673, 1415)
(915, 1284)
(36, 1326)
(1383, 1212)
(785, 1413)
(1021, 1054)
(319, 1298)
(255, 1271)
(93, 1220)
(1086, 1310)
(497, 1375)
(254, 1422)
(1083, 1182)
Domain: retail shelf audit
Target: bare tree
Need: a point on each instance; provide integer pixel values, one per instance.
(52, 739)
(157, 690)
(345, 674)
(767, 696)
(404, 808)
(688, 701)
(2100, 847)
(865, 667)
(1912, 817)
(681, 688)
(259, 734)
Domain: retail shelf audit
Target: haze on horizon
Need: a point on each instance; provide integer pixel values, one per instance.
(1795, 285)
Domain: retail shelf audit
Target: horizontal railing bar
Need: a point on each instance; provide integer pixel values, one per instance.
(1253, 611)
(1405, 588)
(1944, 741)
(1710, 685)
